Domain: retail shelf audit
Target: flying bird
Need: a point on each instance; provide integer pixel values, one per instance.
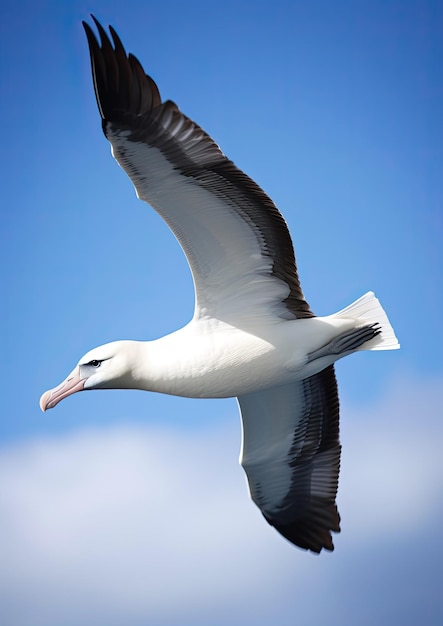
(253, 335)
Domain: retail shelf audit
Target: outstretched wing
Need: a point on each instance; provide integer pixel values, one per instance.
(291, 456)
(236, 241)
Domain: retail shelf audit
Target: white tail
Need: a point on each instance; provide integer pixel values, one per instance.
(368, 309)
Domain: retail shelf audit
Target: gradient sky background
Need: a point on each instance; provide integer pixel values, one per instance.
(126, 508)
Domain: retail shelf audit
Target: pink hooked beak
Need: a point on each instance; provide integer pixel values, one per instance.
(69, 386)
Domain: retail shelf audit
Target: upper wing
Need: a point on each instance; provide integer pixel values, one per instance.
(236, 241)
(291, 455)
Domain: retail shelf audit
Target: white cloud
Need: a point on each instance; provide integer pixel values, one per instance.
(392, 472)
(135, 525)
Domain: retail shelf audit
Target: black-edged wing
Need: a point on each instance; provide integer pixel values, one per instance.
(291, 456)
(235, 239)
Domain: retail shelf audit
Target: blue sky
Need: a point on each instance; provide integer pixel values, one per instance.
(130, 508)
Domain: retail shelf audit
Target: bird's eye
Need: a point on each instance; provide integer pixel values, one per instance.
(95, 363)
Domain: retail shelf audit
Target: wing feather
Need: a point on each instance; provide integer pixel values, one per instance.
(291, 455)
(178, 169)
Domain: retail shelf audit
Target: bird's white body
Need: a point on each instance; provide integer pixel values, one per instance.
(212, 359)
(209, 358)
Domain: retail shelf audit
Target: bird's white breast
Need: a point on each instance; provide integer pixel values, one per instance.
(211, 359)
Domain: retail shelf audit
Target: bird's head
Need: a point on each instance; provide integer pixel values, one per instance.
(107, 367)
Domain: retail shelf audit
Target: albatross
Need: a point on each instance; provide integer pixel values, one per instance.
(253, 335)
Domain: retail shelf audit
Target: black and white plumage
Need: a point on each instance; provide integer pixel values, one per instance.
(252, 335)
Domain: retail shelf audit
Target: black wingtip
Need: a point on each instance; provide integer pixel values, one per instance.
(122, 88)
(313, 531)
(97, 64)
(88, 30)
(103, 35)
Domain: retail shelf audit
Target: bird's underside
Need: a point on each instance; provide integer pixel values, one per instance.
(242, 260)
